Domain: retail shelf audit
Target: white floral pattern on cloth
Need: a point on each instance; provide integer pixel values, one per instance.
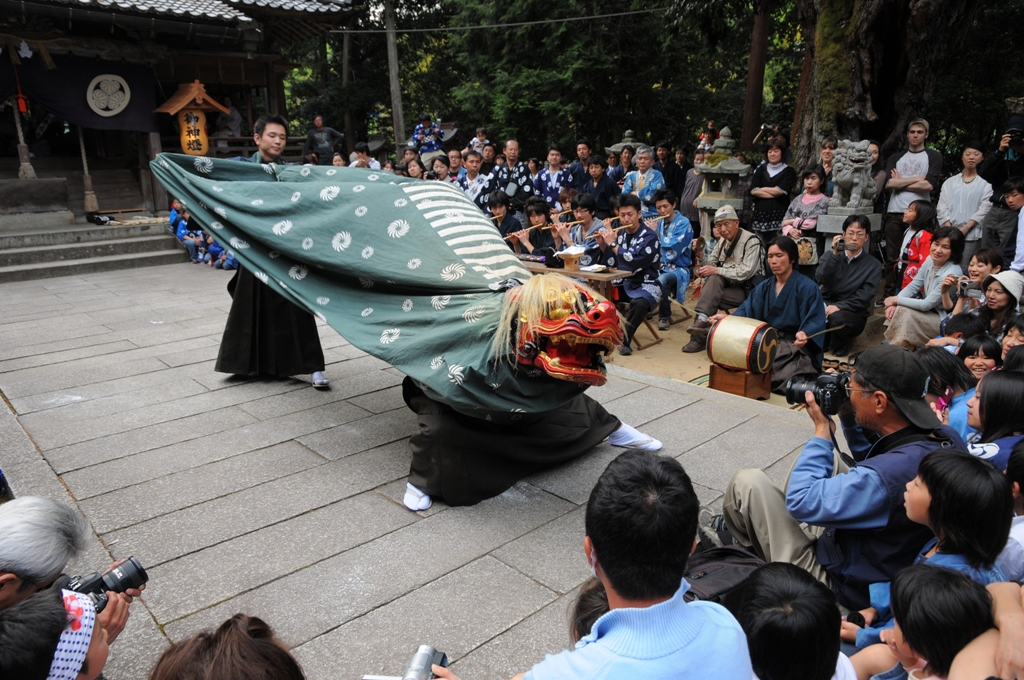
(360, 211)
(455, 374)
(366, 312)
(307, 243)
(75, 638)
(436, 363)
(203, 164)
(341, 241)
(414, 263)
(390, 335)
(298, 271)
(440, 301)
(453, 271)
(407, 306)
(282, 227)
(398, 229)
(329, 193)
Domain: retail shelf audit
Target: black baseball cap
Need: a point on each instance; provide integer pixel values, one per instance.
(903, 377)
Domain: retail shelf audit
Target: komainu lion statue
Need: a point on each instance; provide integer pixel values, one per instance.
(851, 174)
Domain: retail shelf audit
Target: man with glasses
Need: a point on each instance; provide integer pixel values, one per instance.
(644, 181)
(857, 531)
(848, 277)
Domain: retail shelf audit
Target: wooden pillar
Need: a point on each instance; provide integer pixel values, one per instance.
(397, 118)
(346, 51)
(755, 77)
(145, 176)
(153, 147)
(270, 78)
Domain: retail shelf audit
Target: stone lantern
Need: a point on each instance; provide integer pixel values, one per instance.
(721, 172)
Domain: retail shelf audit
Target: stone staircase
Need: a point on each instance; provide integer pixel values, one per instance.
(82, 249)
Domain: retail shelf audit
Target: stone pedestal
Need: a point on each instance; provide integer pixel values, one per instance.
(832, 223)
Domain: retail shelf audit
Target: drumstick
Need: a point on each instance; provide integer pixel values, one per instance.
(827, 330)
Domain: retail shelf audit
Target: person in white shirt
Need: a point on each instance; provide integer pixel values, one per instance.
(363, 155)
(965, 200)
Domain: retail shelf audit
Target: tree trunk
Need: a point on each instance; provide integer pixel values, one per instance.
(397, 120)
(755, 77)
(346, 52)
(804, 140)
(877, 62)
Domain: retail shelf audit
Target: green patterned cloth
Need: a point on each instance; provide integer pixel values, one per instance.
(402, 268)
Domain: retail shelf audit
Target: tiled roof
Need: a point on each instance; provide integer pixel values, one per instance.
(211, 9)
(316, 6)
(230, 10)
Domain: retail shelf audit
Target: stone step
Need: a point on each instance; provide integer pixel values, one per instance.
(28, 238)
(78, 251)
(26, 272)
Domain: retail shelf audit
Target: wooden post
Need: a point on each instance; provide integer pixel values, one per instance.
(25, 169)
(346, 51)
(159, 193)
(396, 91)
(755, 76)
(145, 175)
(91, 204)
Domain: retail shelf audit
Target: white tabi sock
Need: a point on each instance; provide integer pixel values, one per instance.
(415, 499)
(628, 436)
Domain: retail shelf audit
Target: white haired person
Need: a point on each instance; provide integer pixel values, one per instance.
(38, 537)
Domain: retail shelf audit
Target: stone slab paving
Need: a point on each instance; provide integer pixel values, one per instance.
(277, 500)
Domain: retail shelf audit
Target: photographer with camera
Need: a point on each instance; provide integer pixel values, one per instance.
(848, 278)
(857, 530)
(38, 537)
(1006, 162)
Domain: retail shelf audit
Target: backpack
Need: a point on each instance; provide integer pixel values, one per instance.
(715, 575)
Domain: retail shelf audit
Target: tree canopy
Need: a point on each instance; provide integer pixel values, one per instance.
(663, 74)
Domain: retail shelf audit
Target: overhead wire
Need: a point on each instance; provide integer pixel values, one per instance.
(515, 24)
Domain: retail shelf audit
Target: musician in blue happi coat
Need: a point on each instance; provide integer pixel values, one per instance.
(552, 179)
(792, 304)
(635, 248)
(644, 181)
(675, 235)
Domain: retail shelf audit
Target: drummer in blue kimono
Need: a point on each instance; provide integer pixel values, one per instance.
(675, 235)
(644, 181)
(636, 248)
(792, 304)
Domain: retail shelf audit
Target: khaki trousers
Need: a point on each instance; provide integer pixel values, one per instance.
(755, 514)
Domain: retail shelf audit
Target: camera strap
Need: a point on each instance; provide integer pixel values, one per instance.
(846, 458)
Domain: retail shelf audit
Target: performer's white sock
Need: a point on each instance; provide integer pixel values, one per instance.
(630, 437)
(415, 499)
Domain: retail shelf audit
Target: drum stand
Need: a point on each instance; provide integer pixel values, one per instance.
(741, 383)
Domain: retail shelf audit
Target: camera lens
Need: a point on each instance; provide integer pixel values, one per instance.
(128, 574)
(796, 390)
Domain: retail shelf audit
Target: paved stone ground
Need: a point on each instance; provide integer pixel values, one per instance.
(277, 500)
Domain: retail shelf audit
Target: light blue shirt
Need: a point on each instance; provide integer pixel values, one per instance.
(672, 639)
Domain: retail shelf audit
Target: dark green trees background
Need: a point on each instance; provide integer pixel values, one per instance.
(662, 74)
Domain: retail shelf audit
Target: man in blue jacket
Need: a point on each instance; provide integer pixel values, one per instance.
(857, 528)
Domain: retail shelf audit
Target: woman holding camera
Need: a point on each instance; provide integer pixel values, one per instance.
(913, 317)
(984, 263)
(1002, 295)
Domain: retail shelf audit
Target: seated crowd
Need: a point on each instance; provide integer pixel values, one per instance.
(900, 557)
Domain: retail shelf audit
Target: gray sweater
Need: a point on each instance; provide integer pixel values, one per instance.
(924, 292)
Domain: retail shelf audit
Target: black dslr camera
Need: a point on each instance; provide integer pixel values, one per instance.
(431, 174)
(419, 666)
(128, 574)
(829, 390)
(1016, 137)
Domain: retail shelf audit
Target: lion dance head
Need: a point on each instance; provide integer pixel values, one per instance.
(561, 327)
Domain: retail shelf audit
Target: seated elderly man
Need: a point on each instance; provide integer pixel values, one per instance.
(734, 267)
(791, 304)
(850, 529)
(37, 538)
(849, 278)
(641, 521)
